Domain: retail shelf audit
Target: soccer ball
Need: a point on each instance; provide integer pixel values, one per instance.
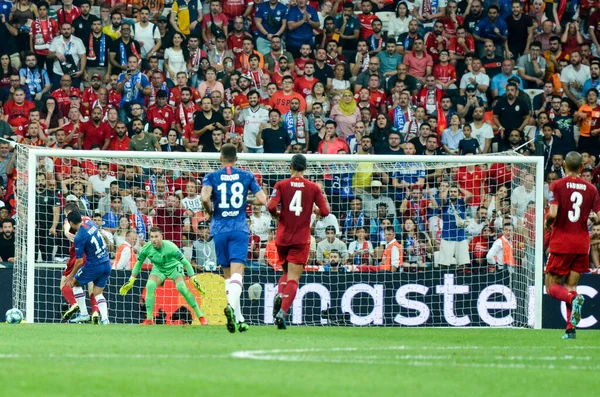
(14, 316)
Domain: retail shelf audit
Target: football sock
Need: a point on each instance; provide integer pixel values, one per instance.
(236, 286)
(67, 292)
(102, 306)
(561, 293)
(94, 303)
(282, 283)
(80, 298)
(150, 289)
(289, 294)
(189, 297)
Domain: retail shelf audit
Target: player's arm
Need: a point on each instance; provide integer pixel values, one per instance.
(260, 198)
(135, 271)
(79, 244)
(274, 200)
(321, 202)
(551, 216)
(206, 199)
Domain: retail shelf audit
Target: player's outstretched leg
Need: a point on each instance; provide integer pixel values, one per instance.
(102, 308)
(190, 299)
(67, 293)
(83, 312)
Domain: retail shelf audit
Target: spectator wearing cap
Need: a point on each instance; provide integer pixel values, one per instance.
(466, 104)
(500, 81)
(203, 249)
(532, 66)
(92, 92)
(373, 197)
(270, 21)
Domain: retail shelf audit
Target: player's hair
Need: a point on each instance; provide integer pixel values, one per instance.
(71, 207)
(573, 161)
(155, 230)
(298, 162)
(74, 217)
(228, 153)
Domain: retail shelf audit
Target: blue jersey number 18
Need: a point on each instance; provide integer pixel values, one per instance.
(237, 195)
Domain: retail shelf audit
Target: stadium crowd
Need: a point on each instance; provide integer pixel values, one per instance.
(429, 77)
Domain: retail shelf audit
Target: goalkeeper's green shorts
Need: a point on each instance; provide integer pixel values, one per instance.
(163, 274)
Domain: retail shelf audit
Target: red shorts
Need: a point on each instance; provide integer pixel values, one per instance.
(296, 254)
(563, 264)
(70, 265)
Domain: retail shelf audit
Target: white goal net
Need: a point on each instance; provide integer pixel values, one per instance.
(410, 241)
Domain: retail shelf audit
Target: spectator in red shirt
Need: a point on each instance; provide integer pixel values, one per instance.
(461, 45)
(281, 99)
(16, 111)
(121, 140)
(331, 143)
(235, 41)
(215, 16)
(420, 63)
(170, 219)
(479, 247)
(64, 93)
(444, 72)
(68, 12)
(182, 82)
(366, 19)
(304, 84)
(237, 8)
(299, 63)
(451, 20)
(435, 41)
(91, 94)
(95, 132)
(472, 179)
(161, 114)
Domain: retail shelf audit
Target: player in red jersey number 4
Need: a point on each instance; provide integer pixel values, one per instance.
(297, 197)
(572, 199)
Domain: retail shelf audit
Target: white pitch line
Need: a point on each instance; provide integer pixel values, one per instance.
(500, 362)
(140, 356)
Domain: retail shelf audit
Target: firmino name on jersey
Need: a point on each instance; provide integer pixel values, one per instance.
(297, 184)
(576, 186)
(233, 177)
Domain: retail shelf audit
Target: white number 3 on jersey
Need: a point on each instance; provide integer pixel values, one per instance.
(296, 203)
(575, 213)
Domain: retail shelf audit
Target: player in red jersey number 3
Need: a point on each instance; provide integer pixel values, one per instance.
(571, 201)
(297, 197)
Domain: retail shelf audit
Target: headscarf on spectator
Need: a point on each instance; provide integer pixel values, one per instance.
(347, 109)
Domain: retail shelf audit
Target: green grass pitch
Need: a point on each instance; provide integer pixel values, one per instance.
(118, 360)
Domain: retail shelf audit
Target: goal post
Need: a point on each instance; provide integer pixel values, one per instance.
(423, 290)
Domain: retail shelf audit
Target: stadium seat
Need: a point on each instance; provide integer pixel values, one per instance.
(385, 17)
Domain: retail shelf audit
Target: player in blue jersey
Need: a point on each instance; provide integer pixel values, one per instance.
(224, 194)
(97, 269)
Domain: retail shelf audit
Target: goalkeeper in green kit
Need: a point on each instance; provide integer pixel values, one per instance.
(167, 262)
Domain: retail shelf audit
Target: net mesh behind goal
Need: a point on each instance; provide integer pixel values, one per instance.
(461, 250)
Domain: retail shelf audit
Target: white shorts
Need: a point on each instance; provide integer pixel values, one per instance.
(458, 250)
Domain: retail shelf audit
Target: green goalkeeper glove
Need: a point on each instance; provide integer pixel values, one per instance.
(198, 286)
(127, 286)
